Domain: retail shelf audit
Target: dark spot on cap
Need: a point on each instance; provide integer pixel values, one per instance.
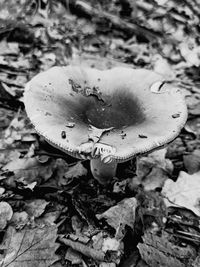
(63, 134)
(142, 136)
(177, 115)
(123, 135)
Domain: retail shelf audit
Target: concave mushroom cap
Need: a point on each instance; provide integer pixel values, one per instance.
(135, 110)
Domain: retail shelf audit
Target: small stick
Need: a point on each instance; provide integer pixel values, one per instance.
(84, 249)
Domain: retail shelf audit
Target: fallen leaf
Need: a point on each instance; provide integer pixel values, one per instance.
(20, 219)
(155, 179)
(189, 130)
(158, 250)
(157, 159)
(6, 214)
(97, 240)
(35, 207)
(152, 171)
(76, 171)
(190, 52)
(162, 67)
(7, 156)
(110, 244)
(29, 247)
(29, 170)
(121, 215)
(176, 148)
(49, 218)
(184, 192)
(14, 131)
(96, 133)
(196, 262)
(2, 191)
(31, 186)
(194, 124)
(192, 161)
(151, 204)
(73, 256)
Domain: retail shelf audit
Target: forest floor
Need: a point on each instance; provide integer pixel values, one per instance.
(52, 212)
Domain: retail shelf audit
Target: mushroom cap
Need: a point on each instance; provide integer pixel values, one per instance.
(113, 114)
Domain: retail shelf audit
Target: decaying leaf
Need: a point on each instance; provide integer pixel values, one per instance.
(96, 133)
(111, 244)
(121, 215)
(49, 218)
(20, 219)
(152, 170)
(17, 131)
(73, 256)
(6, 214)
(184, 192)
(158, 250)
(36, 207)
(190, 52)
(192, 161)
(28, 170)
(76, 171)
(162, 67)
(29, 247)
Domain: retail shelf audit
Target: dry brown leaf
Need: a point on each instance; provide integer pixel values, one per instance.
(29, 247)
(185, 192)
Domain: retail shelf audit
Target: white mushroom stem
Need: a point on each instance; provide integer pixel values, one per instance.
(103, 172)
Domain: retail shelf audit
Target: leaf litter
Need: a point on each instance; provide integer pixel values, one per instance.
(30, 247)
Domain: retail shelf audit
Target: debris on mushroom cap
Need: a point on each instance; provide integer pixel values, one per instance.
(113, 114)
(96, 133)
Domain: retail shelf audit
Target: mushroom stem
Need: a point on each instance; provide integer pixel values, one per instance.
(103, 172)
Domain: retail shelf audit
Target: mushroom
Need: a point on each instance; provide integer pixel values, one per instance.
(107, 116)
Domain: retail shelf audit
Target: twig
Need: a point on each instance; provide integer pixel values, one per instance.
(82, 7)
(85, 250)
